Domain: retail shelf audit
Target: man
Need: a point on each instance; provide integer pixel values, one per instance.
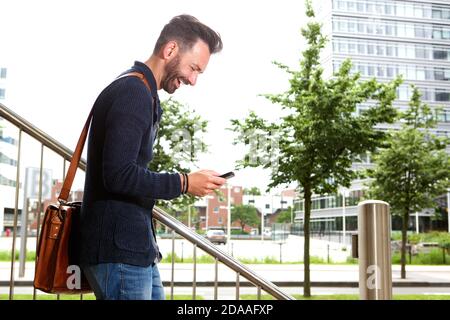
(119, 250)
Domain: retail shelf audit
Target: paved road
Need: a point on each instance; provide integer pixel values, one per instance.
(272, 272)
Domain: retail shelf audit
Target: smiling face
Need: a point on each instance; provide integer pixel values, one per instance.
(183, 67)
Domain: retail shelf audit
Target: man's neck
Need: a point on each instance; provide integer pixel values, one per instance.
(155, 64)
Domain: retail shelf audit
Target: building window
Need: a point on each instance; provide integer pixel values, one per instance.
(437, 14)
(216, 210)
(360, 27)
(419, 31)
(403, 93)
(439, 74)
(390, 51)
(351, 6)
(390, 30)
(360, 7)
(2, 93)
(267, 206)
(361, 48)
(7, 182)
(2, 73)
(421, 53)
(351, 26)
(9, 140)
(437, 33)
(6, 160)
(380, 50)
(442, 95)
(389, 9)
(444, 116)
(351, 48)
(420, 74)
(390, 73)
(219, 220)
(440, 54)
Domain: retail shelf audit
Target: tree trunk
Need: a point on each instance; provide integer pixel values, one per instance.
(307, 208)
(404, 240)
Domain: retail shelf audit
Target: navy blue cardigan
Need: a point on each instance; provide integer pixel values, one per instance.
(119, 189)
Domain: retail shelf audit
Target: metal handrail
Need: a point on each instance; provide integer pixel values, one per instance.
(223, 257)
(158, 213)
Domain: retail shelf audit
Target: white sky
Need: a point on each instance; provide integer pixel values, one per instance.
(61, 54)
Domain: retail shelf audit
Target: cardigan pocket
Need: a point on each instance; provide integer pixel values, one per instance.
(132, 229)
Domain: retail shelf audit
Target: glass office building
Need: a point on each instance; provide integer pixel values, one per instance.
(386, 38)
(8, 162)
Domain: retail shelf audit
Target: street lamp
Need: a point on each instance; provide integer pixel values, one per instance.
(228, 208)
(345, 193)
(189, 216)
(207, 210)
(229, 217)
(448, 209)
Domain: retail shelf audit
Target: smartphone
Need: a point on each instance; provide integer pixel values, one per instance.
(227, 175)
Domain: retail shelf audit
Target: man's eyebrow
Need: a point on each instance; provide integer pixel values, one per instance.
(197, 68)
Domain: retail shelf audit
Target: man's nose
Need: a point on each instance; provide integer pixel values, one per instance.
(193, 79)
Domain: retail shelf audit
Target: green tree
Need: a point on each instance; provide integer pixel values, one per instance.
(321, 132)
(284, 216)
(179, 142)
(413, 168)
(254, 191)
(193, 215)
(245, 214)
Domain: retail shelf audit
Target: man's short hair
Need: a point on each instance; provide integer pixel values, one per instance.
(186, 30)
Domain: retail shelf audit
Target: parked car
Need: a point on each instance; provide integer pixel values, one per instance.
(216, 236)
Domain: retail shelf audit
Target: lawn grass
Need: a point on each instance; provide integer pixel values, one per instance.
(242, 297)
(351, 297)
(434, 257)
(89, 296)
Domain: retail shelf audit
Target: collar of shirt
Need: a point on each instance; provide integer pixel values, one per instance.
(148, 74)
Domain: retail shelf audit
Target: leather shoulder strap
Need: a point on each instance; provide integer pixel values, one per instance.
(136, 74)
(68, 181)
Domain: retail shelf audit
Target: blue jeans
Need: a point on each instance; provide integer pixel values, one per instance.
(120, 281)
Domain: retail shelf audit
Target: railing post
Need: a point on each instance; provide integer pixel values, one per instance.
(374, 250)
(16, 213)
(194, 280)
(172, 279)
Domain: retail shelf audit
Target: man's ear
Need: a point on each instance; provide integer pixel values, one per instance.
(170, 50)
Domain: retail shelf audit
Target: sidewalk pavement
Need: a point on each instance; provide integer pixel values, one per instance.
(321, 275)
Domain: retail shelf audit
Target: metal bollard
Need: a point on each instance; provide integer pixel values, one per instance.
(374, 250)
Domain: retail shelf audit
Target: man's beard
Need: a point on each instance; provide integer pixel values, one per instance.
(172, 72)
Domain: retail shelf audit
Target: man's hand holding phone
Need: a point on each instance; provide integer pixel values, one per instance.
(204, 182)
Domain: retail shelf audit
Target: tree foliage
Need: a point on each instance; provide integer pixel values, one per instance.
(179, 142)
(246, 215)
(254, 191)
(413, 168)
(323, 132)
(285, 216)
